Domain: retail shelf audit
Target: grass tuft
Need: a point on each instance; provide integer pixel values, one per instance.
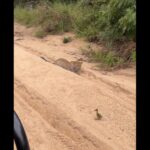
(67, 39)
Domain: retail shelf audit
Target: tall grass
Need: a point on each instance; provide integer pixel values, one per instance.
(108, 59)
(25, 16)
(54, 19)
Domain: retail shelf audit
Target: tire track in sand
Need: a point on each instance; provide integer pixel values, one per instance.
(58, 120)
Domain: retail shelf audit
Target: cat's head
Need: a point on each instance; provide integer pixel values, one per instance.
(76, 66)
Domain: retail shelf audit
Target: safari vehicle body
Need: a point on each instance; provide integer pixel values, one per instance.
(20, 137)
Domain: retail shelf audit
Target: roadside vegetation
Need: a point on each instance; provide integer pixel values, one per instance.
(108, 22)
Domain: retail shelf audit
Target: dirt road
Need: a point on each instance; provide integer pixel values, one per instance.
(57, 106)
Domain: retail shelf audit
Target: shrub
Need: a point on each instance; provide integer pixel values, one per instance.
(108, 19)
(66, 39)
(133, 56)
(119, 19)
(40, 33)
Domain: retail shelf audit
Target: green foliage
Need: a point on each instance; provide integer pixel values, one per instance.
(109, 20)
(118, 19)
(25, 16)
(133, 56)
(40, 33)
(66, 39)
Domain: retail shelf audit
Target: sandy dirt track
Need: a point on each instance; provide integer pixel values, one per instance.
(57, 106)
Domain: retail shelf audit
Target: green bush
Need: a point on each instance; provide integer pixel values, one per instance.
(108, 20)
(133, 56)
(66, 39)
(119, 20)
